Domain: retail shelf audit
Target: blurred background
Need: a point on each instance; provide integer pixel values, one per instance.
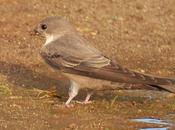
(139, 34)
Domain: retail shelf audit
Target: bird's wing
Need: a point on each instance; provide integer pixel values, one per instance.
(71, 55)
(71, 51)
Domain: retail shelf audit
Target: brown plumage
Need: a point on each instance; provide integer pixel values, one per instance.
(86, 66)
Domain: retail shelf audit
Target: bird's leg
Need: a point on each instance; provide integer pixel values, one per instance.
(73, 91)
(86, 101)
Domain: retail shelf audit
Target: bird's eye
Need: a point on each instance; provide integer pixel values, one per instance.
(43, 26)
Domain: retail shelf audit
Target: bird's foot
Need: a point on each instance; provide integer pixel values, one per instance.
(70, 105)
(63, 106)
(84, 102)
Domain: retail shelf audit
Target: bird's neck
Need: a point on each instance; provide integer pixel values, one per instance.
(52, 37)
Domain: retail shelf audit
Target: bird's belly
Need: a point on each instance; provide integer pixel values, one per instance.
(90, 83)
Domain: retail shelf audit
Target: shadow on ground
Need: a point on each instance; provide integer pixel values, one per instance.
(21, 76)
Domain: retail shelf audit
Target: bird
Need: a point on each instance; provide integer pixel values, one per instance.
(67, 51)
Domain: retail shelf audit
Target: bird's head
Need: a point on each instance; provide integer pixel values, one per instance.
(53, 27)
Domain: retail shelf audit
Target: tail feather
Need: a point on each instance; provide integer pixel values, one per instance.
(169, 88)
(166, 84)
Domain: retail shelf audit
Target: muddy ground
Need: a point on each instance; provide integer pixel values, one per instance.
(138, 34)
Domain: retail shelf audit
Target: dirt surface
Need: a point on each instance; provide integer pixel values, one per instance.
(138, 34)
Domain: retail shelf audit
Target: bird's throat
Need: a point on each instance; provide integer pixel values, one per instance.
(50, 38)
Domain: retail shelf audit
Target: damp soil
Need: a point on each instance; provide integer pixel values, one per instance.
(139, 35)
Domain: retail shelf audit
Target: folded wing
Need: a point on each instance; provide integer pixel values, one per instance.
(71, 54)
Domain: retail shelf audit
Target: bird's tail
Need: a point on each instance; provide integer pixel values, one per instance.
(169, 88)
(163, 83)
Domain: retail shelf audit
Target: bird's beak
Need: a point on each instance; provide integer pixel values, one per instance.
(35, 31)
